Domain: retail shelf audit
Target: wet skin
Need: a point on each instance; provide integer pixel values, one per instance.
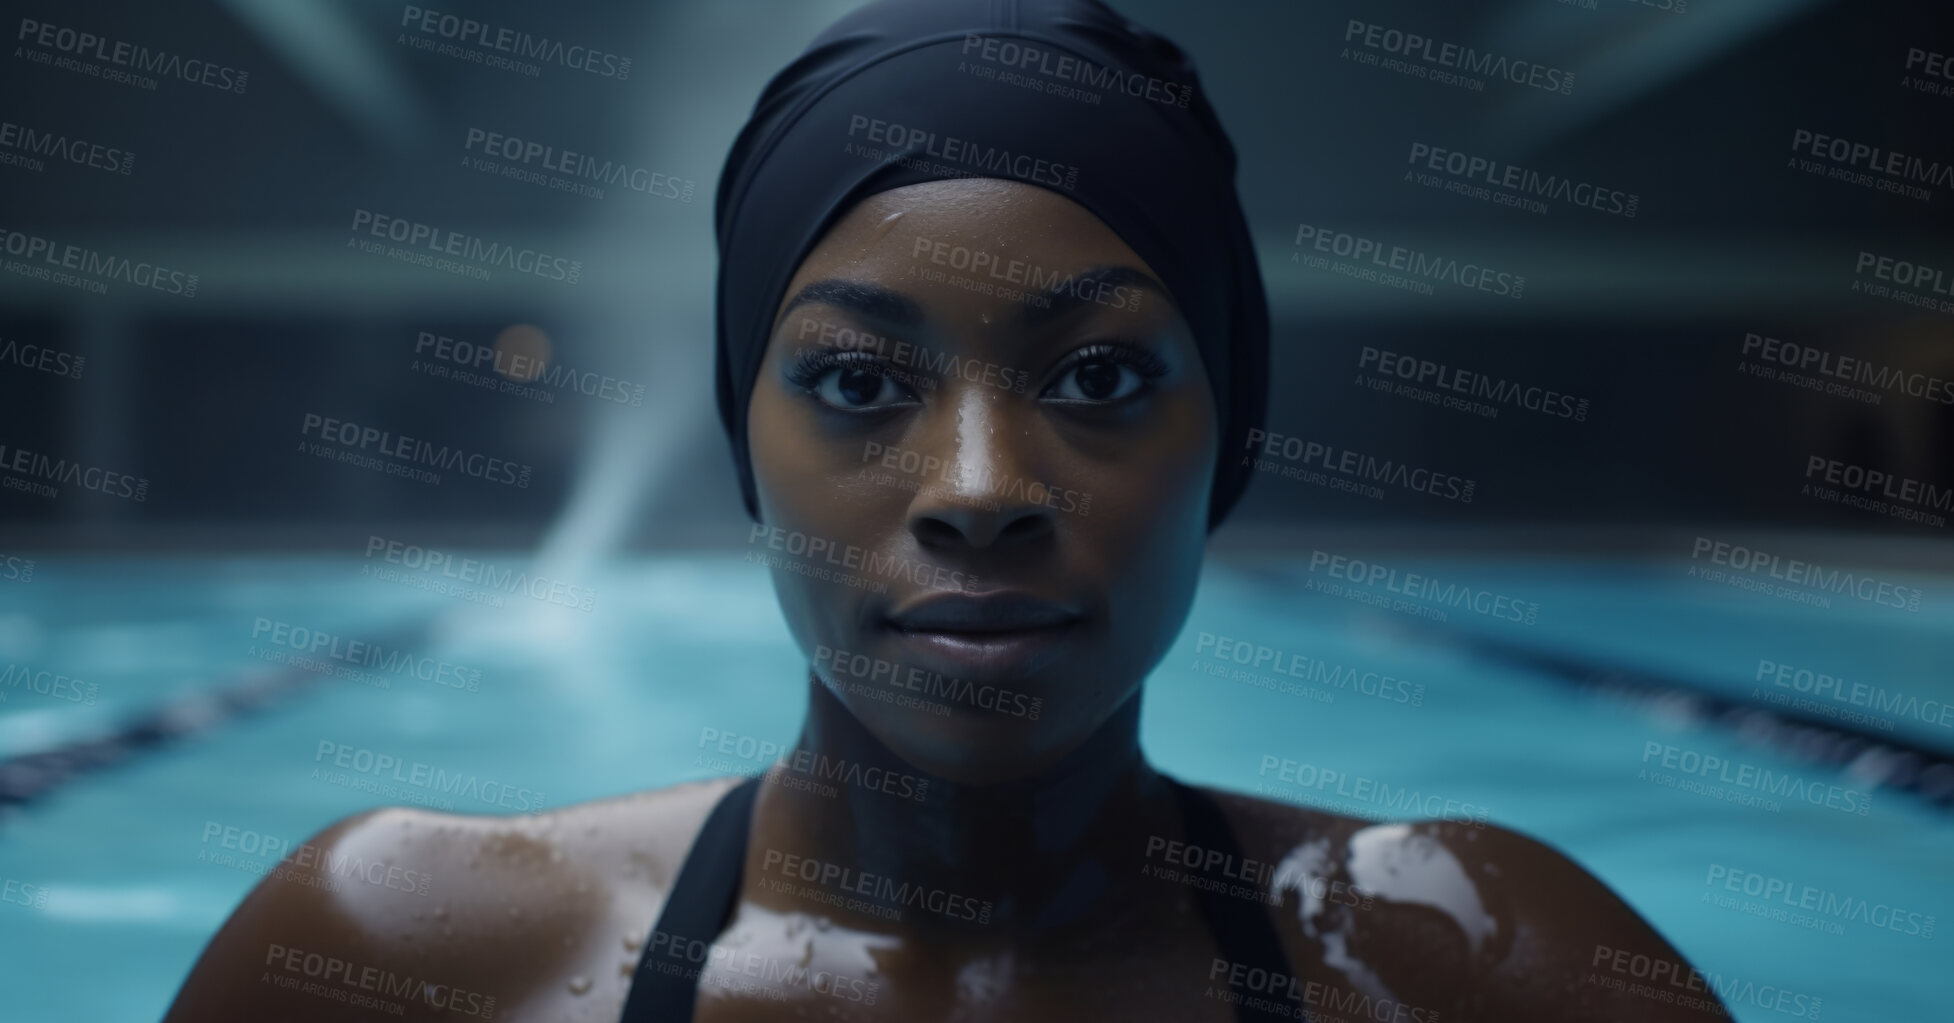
(1044, 839)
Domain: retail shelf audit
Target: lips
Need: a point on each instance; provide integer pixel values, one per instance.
(978, 615)
(996, 636)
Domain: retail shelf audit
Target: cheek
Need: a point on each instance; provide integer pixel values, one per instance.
(782, 454)
(1158, 503)
(788, 472)
(1151, 533)
(809, 494)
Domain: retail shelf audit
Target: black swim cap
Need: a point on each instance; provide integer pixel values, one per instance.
(1064, 94)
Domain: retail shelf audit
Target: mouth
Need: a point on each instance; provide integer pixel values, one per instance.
(1003, 634)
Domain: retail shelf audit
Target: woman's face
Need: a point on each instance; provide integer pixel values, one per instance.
(987, 499)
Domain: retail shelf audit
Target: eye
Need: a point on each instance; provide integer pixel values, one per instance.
(854, 387)
(1105, 374)
(849, 381)
(1099, 380)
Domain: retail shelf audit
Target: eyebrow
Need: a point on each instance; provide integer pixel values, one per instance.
(892, 308)
(886, 306)
(1072, 293)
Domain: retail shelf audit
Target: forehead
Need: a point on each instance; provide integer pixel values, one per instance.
(958, 225)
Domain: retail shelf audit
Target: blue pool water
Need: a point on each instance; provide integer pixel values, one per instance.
(572, 705)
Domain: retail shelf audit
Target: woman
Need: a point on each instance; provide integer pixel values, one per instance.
(989, 352)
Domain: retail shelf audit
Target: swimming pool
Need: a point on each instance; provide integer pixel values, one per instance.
(1303, 677)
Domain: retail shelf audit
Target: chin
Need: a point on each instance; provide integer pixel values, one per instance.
(974, 745)
(968, 745)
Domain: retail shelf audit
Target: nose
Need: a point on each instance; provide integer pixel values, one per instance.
(987, 494)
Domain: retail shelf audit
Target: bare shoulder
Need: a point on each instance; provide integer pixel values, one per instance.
(443, 913)
(1462, 918)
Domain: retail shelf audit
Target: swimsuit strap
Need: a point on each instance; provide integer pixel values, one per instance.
(1243, 933)
(697, 906)
(703, 897)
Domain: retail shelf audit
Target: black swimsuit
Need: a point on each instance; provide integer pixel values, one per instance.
(706, 892)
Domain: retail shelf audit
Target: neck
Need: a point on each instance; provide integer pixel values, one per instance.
(1047, 852)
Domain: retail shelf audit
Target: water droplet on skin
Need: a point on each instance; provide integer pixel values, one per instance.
(631, 943)
(624, 969)
(579, 985)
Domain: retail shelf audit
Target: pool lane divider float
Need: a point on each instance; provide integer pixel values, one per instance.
(1887, 760)
(26, 777)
